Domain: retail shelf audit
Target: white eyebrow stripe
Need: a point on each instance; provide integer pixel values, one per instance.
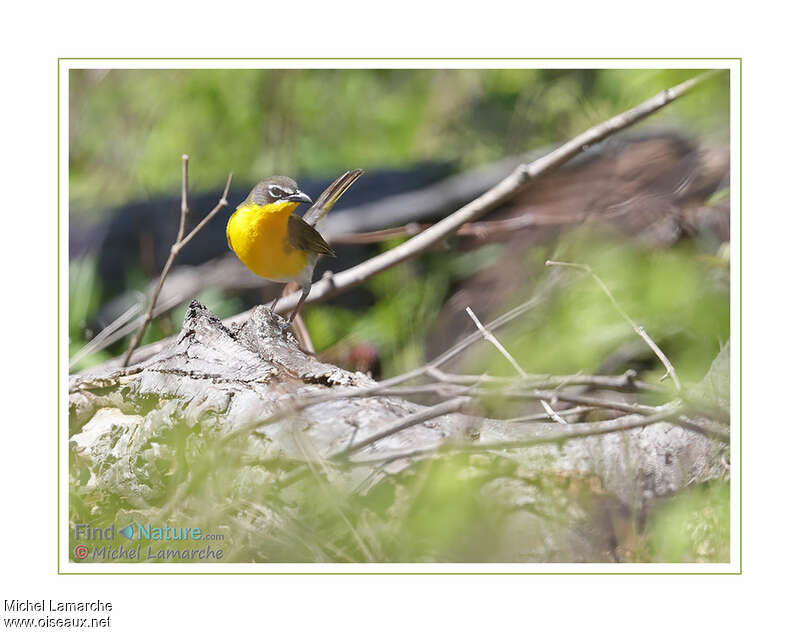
(276, 188)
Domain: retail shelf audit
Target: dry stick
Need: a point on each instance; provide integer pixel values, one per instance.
(519, 179)
(534, 394)
(303, 336)
(99, 341)
(180, 242)
(553, 415)
(622, 382)
(536, 417)
(450, 406)
(493, 340)
(574, 431)
(223, 202)
(505, 189)
(636, 328)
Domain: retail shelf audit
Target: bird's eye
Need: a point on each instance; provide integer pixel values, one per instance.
(276, 192)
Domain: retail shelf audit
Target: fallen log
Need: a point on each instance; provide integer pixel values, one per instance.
(239, 429)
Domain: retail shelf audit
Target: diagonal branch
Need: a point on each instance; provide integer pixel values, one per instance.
(181, 241)
(518, 180)
(450, 406)
(494, 341)
(553, 415)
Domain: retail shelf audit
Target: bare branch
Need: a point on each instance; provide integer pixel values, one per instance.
(621, 382)
(524, 394)
(106, 336)
(223, 202)
(636, 328)
(184, 196)
(493, 340)
(520, 179)
(180, 242)
(537, 417)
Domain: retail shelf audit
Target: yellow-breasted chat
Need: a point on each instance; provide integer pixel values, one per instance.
(276, 244)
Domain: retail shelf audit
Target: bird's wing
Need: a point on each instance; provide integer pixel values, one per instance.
(303, 236)
(328, 198)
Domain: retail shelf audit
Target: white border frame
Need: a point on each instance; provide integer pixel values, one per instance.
(65, 566)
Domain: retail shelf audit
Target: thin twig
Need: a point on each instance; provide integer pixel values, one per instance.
(180, 242)
(536, 417)
(303, 336)
(519, 179)
(636, 328)
(184, 196)
(493, 340)
(553, 415)
(223, 202)
(99, 341)
(621, 382)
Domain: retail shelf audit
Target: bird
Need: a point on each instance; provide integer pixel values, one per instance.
(273, 242)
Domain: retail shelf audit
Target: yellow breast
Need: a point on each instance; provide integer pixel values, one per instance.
(257, 234)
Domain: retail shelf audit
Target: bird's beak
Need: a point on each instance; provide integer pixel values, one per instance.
(299, 196)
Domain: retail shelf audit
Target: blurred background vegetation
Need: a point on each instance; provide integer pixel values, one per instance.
(128, 129)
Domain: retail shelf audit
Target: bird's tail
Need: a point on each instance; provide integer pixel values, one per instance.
(330, 196)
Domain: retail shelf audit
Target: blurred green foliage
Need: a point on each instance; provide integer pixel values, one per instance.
(681, 300)
(693, 527)
(84, 299)
(448, 509)
(128, 128)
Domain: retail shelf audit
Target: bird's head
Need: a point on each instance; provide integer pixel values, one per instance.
(276, 189)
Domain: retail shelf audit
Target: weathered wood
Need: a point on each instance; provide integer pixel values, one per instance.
(136, 434)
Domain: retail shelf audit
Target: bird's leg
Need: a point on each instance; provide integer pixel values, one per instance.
(305, 283)
(306, 290)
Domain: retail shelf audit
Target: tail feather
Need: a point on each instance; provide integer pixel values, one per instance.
(330, 196)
